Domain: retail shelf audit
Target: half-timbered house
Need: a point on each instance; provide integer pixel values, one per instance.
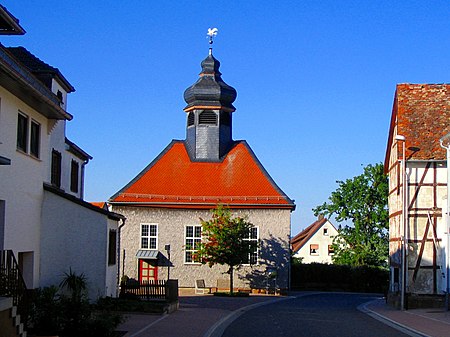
(416, 165)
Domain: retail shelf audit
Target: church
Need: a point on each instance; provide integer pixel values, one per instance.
(163, 204)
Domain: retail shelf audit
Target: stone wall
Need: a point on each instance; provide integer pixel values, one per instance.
(274, 233)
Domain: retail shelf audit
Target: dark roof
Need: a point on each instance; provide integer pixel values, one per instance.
(210, 90)
(39, 68)
(301, 238)
(77, 151)
(173, 180)
(21, 82)
(421, 113)
(9, 25)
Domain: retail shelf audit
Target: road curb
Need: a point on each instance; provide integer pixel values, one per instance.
(393, 324)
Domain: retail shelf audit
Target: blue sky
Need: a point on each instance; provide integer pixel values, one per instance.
(315, 79)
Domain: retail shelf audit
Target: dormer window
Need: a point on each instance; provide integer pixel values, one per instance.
(207, 117)
(60, 96)
(191, 119)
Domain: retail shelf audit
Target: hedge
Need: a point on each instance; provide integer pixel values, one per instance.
(332, 277)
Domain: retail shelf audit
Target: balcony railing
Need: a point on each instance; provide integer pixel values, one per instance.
(12, 283)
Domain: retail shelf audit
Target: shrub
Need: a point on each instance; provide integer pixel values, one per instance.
(53, 313)
(331, 277)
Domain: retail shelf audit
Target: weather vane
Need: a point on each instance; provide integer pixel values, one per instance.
(212, 32)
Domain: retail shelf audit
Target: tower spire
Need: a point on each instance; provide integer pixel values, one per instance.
(209, 111)
(212, 32)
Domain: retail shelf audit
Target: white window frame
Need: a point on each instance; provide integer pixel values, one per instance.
(194, 238)
(257, 247)
(148, 236)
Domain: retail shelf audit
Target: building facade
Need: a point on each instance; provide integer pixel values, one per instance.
(315, 243)
(164, 203)
(43, 218)
(417, 169)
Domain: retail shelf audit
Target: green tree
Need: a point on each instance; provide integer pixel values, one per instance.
(224, 241)
(363, 201)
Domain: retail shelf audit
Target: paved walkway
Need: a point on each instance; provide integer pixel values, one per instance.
(208, 316)
(418, 322)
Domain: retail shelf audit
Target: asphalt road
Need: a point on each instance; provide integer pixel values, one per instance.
(325, 314)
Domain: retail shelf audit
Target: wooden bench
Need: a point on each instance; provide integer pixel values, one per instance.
(201, 288)
(223, 285)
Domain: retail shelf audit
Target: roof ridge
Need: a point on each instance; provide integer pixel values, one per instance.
(30, 57)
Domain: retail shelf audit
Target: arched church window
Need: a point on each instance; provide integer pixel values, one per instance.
(207, 117)
(191, 119)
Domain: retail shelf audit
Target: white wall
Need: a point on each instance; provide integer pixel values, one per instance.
(21, 182)
(75, 237)
(323, 241)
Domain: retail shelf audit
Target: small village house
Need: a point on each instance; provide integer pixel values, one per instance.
(45, 225)
(163, 204)
(315, 243)
(417, 169)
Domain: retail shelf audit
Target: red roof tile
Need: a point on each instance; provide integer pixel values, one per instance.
(173, 180)
(99, 204)
(422, 112)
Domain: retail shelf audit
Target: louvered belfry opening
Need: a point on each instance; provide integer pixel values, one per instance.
(209, 109)
(191, 119)
(207, 117)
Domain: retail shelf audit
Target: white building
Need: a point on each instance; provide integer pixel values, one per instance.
(314, 244)
(43, 218)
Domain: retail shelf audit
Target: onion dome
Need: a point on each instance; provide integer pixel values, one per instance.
(210, 91)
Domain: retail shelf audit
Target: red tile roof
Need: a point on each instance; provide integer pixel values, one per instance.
(173, 180)
(301, 238)
(422, 112)
(99, 204)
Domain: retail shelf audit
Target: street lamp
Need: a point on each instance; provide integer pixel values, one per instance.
(402, 139)
(167, 248)
(445, 143)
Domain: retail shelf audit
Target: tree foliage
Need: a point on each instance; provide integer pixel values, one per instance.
(363, 201)
(224, 241)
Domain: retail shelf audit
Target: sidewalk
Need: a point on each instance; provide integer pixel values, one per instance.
(415, 322)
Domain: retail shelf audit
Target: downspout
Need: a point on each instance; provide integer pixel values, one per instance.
(443, 140)
(404, 270)
(118, 253)
(82, 179)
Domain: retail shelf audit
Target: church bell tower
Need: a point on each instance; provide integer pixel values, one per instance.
(209, 113)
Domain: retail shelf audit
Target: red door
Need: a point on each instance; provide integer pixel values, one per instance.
(148, 271)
